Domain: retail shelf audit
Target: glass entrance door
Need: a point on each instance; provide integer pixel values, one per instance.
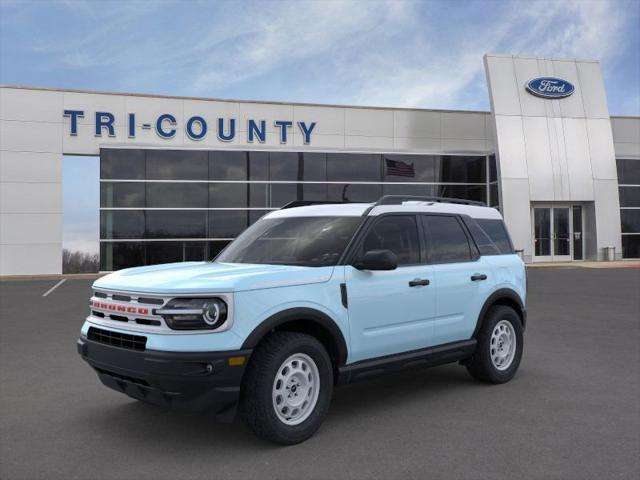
(557, 233)
(561, 234)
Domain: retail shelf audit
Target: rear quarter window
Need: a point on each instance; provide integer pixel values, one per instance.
(497, 232)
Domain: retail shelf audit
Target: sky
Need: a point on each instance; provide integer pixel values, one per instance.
(378, 52)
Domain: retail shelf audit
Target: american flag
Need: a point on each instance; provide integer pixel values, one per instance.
(399, 168)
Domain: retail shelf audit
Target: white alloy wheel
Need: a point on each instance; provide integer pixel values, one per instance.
(295, 389)
(503, 345)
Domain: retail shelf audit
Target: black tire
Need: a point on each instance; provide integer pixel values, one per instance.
(481, 367)
(257, 404)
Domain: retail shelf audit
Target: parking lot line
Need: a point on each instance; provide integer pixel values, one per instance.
(54, 287)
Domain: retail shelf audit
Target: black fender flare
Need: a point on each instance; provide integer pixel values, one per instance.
(499, 296)
(301, 314)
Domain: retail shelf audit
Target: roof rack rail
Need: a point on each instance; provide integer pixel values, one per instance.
(398, 199)
(306, 203)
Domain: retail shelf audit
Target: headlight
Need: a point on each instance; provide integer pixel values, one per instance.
(194, 313)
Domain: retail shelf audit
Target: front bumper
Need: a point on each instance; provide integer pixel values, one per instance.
(192, 381)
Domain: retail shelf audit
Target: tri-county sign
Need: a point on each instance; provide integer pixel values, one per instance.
(550, 87)
(196, 127)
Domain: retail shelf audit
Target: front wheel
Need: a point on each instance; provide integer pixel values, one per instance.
(499, 348)
(287, 388)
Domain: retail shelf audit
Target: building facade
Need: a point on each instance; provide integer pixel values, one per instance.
(181, 177)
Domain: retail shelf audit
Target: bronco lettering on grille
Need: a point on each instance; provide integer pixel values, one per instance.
(118, 308)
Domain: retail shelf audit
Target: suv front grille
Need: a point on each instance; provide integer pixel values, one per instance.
(116, 339)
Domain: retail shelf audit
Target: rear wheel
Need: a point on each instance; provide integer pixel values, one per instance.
(287, 388)
(499, 348)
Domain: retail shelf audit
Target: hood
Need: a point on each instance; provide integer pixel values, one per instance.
(207, 277)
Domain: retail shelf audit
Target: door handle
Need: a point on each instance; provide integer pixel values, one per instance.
(419, 282)
(478, 276)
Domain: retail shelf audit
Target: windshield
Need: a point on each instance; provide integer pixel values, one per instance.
(303, 241)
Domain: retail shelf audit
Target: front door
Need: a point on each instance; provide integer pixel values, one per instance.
(391, 311)
(557, 233)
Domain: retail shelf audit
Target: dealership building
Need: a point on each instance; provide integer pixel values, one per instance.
(181, 177)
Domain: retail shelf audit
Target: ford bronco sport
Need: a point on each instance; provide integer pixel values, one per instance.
(310, 297)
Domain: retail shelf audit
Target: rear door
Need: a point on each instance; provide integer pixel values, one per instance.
(463, 279)
(391, 311)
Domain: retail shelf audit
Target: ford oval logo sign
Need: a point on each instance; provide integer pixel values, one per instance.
(550, 87)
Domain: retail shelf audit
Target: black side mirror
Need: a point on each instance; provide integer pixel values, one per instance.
(377, 260)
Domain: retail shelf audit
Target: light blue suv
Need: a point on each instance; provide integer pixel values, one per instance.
(309, 297)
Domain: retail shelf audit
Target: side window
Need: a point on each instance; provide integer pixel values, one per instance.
(448, 242)
(497, 232)
(484, 243)
(398, 234)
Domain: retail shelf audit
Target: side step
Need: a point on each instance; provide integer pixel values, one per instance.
(426, 357)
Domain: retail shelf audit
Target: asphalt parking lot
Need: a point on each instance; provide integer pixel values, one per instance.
(573, 410)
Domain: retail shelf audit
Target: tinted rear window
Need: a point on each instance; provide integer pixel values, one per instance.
(497, 232)
(447, 241)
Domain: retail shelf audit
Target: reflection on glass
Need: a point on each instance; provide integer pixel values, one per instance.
(228, 195)
(176, 224)
(542, 231)
(227, 223)
(577, 232)
(631, 246)
(122, 164)
(630, 221)
(121, 224)
(225, 165)
(177, 165)
(353, 192)
(353, 167)
(177, 195)
(118, 195)
(118, 255)
(561, 239)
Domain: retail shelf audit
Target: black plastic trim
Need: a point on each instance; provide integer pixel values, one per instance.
(426, 357)
(343, 295)
(503, 293)
(300, 314)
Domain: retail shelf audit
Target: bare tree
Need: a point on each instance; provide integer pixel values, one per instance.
(79, 262)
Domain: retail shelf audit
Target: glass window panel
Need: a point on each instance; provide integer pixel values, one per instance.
(462, 169)
(177, 165)
(119, 195)
(164, 252)
(314, 191)
(628, 171)
(629, 196)
(227, 195)
(493, 169)
(177, 195)
(227, 165)
(353, 192)
(227, 223)
(118, 255)
(258, 194)
(630, 221)
(542, 231)
(121, 224)
(413, 190)
(447, 241)
(255, 215)
(125, 164)
(283, 193)
(466, 192)
(630, 246)
(315, 166)
(176, 224)
(195, 251)
(215, 247)
(258, 166)
(494, 196)
(359, 167)
(285, 166)
(497, 232)
(410, 168)
(396, 233)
